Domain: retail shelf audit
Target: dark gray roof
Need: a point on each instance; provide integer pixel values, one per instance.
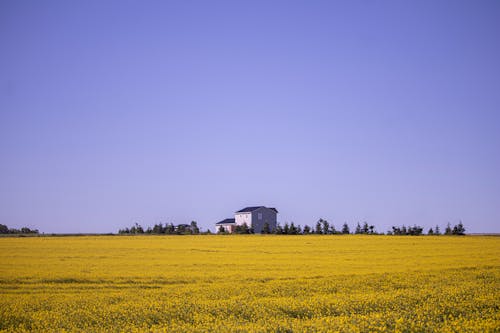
(226, 221)
(251, 209)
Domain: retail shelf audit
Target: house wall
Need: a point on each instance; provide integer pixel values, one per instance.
(227, 227)
(241, 218)
(268, 216)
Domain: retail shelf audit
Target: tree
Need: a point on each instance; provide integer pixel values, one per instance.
(365, 228)
(459, 229)
(415, 230)
(194, 228)
(345, 229)
(372, 227)
(242, 229)
(318, 228)
(4, 229)
(418, 230)
(448, 230)
(266, 229)
(286, 229)
(430, 232)
(396, 230)
(307, 229)
(24, 230)
(170, 229)
(181, 229)
(325, 226)
(437, 231)
(358, 229)
(221, 230)
(158, 229)
(136, 229)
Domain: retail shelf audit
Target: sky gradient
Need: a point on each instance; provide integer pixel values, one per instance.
(116, 112)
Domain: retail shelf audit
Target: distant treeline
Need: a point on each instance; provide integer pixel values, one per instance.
(6, 230)
(323, 227)
(164, 229)
(417, 230)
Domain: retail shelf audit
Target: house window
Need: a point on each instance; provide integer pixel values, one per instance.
(259, 216)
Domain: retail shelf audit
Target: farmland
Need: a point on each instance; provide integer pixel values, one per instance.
(250, 283)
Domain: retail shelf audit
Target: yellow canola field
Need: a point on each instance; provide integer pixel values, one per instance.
(251, 283)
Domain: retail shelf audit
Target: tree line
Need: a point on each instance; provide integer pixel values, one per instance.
(457, 229)
(24, 230)
(163, 229)
(323, 227)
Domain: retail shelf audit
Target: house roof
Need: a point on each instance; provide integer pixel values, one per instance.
(251, 209)
(226, 221)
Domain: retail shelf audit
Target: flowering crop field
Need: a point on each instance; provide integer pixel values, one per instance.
(251, 283)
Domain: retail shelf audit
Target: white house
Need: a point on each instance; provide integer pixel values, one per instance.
(254, 217)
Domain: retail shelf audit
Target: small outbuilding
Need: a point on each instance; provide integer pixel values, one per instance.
(229, 225)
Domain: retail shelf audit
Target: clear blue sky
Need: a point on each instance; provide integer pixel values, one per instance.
(115, 112)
